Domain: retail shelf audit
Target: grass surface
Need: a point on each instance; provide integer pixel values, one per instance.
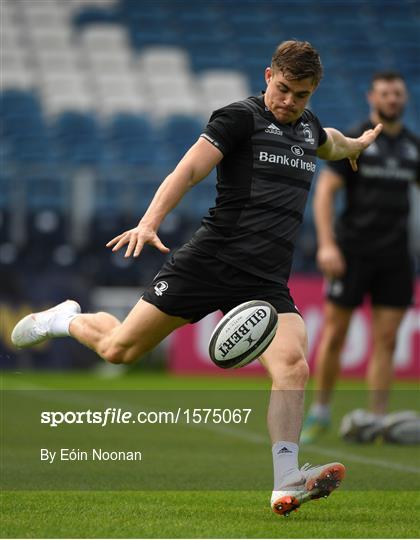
(205, 515)
(377, 500)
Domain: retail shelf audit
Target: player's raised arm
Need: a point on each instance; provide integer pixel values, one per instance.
(197, 163)
(338, 146)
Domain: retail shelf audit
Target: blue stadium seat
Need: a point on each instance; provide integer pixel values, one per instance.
(94, 15)
(19, 103)
(142, 191)
(110, 216)
(143, 37)
(176, 135)
(156, 10)
(6, 185)
(23, 128)
(46, 199)
(31, 149)
(108, 196)
(44, 191)
(132, 139)
(180, 126)
(78, 138)
(199, 38)
(207, 17)
(150, 26)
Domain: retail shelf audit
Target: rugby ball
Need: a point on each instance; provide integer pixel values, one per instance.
(243, 334)
(402, 427)
(360, 426)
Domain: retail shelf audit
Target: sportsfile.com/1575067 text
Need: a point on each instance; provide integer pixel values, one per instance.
(113, 415)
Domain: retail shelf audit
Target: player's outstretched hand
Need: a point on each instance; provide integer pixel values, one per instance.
(362, 142)
(331, 261)
(136, 238)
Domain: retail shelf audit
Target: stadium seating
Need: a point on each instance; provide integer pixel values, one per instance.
(78, 138)
(99, 99)
(5, 208)
(131, 139)
(177, 134)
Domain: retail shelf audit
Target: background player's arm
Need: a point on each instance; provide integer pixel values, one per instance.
(338, 146)
(329, 257)
(197, 163)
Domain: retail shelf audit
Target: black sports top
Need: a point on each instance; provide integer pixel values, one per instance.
(374, 221)
(263, 182)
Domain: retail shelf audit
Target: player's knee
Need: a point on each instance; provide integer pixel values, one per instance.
(292, 366)
(294, 375)
(387, 338)
(335, 335)
(301, 371)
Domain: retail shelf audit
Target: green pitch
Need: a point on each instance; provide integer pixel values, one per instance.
(379, 497)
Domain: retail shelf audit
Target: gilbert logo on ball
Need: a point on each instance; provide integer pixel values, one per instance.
(243, 334)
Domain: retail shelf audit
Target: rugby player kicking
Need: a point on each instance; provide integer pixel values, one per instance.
(265, 149)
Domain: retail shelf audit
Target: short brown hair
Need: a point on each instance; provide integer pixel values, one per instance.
(297, 60)
(389, 75)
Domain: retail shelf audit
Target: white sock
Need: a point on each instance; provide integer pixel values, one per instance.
(285, 462)
(321, 411)
(60, 323)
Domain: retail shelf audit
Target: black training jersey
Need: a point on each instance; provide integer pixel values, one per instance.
(263, 182)
(375, 217)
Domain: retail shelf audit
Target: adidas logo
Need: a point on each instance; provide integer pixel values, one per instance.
(274, 130)
(284, 450)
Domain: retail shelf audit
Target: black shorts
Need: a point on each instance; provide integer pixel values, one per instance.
(389, 282)
(192, 284)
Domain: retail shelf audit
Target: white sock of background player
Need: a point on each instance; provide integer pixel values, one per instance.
(321, 411)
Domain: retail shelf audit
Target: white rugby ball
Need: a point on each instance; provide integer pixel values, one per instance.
(402, 427)
(243, 334)
(360, 426)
